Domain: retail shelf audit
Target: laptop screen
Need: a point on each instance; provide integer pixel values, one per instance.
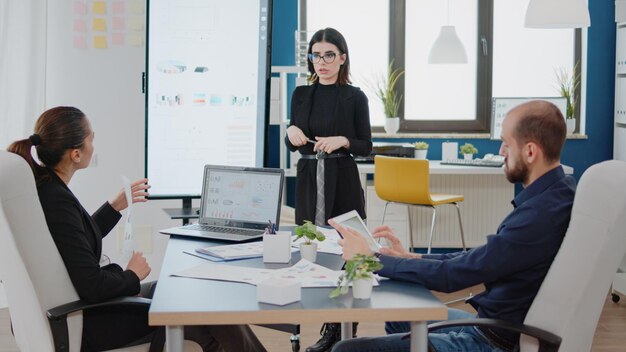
(241, 196)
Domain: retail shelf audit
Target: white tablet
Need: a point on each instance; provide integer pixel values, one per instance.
(353, 220)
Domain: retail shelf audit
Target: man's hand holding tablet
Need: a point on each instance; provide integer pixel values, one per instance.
(356, 238)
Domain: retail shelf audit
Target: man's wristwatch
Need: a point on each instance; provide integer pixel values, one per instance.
(377, 255)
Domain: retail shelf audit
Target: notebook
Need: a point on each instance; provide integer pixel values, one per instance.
(237, 203)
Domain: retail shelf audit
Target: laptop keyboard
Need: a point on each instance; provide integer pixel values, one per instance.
(211, 228)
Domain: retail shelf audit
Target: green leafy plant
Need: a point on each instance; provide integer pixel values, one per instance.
(309, 231)
(567, 84)
(420, 145)
(386, 90)
(468, 148)
(361, 266)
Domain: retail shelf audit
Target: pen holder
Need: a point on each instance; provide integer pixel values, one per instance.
(277, 247)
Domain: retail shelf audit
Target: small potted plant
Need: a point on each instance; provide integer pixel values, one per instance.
(421, 150)
(358, 272)
(468, 150)
(386, 91)
(567, 85)
(308, 248)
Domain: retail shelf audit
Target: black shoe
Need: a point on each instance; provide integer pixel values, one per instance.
(331, 334)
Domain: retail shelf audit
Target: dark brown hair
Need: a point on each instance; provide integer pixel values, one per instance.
(542, 122)
(332, 36)
(56, 130)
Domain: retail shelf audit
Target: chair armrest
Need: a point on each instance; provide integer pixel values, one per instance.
(57, 316)
(548, 342)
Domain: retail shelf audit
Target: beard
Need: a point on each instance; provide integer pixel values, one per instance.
(519, 172)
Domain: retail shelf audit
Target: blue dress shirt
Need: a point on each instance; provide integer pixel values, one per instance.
(513, 262)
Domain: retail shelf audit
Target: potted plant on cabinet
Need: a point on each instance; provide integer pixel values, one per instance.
(567, 86)
(421, 150)
(358, 272)
(308, 248)
(468, 150)
(386, 91)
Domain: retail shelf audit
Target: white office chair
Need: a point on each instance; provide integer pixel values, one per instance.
(567, 307)
(38, 288)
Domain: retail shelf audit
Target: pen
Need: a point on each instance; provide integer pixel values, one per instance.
(311, 141)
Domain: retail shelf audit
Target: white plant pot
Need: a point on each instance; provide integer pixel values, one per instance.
(308, 251)
(362, 288)
(471, 156)
(421, 153)
(392, 125)
(570, 124)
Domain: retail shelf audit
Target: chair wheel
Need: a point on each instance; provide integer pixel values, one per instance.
(295, 343)
(615, 297)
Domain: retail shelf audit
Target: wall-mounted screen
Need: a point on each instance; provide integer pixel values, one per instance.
(207, 74)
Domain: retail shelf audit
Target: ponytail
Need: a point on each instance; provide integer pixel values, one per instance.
(23, 148)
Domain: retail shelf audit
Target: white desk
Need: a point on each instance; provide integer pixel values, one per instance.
(180, 301)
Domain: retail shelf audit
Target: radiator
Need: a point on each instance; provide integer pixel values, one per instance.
(487, 202)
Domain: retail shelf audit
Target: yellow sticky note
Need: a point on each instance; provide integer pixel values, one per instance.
(99, 24)
(99, 7)
(137, 7)
(136, 24)
(100, 42)
(135, 39)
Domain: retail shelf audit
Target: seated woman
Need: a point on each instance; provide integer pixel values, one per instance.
(63, 140)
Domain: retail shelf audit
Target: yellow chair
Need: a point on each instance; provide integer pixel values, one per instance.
(406, 181)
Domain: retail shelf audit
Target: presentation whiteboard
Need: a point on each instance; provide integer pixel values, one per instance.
(501, 106)
(207, 74)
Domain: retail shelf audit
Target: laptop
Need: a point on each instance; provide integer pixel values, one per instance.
(237, 203)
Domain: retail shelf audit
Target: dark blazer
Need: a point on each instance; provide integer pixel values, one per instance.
(350, 119)
(78, 237)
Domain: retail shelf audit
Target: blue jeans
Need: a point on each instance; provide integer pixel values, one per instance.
(457, 339)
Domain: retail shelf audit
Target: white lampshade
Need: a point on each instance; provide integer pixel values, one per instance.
(447, 48)
(557, 14)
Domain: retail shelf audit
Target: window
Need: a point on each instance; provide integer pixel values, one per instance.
(505, 59)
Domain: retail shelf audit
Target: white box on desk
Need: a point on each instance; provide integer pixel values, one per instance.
(278, 291)
(449, 150)
(277, 247)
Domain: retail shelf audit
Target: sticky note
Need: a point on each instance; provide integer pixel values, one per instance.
(99, 24)
(99, 7)
(80, 7)
(136, 24)
(118, 39)
(80, 42)
(135, 39)
(80, 26)
(100, 42)
(118, 7)
(119, 23)
(137, 7)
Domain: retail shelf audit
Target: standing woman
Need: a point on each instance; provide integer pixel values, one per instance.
(63, 140)
(330, 122)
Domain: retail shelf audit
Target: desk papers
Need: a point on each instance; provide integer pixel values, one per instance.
(307, 273)
(233, 251)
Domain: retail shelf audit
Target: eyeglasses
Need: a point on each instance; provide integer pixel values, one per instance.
(317, 58)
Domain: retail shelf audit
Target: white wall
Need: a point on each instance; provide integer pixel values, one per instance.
(106, 85)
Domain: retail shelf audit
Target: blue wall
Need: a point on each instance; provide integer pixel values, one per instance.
(580, 154)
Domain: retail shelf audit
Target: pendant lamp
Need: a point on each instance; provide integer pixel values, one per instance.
(557, 14)
(448, 48)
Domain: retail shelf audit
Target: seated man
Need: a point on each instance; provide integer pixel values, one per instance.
(513, 262)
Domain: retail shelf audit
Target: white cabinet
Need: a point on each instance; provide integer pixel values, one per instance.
(619, 146)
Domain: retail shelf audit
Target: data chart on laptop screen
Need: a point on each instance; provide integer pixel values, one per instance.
(207, 73)
(249, 196)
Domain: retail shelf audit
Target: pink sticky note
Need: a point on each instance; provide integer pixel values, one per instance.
(119, 23)
(118, 7)
(118, 38)
(80, 7)
(80, 26)
(80, 42)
